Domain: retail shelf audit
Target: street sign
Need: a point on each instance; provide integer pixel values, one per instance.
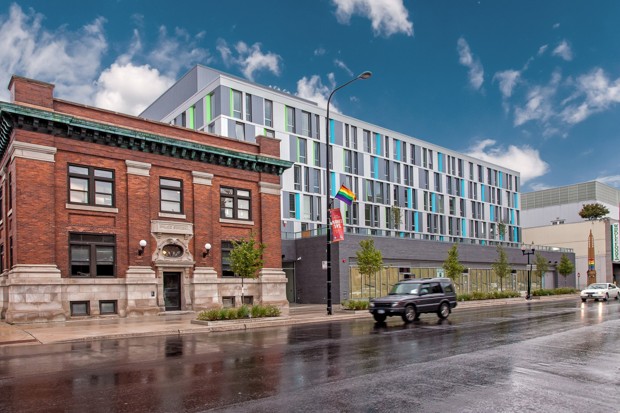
(324, 264)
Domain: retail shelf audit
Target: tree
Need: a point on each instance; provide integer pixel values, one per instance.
(501, 266)
(592, 212)
(542, 266)
(246, 259)
(565, 267)
(452, 267)
(369, 259)
(501, 229)
(396, 217)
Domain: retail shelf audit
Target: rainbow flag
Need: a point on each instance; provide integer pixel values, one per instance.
(345, 195)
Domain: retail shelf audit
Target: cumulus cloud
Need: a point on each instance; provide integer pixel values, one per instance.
(612, 180)
(467, 59)
(313, 89)
(249, 59)
(27, 49)
(525, 159)
(128, 88)
(387, 17)
(177, 52)
(595, 92)
(563, 50)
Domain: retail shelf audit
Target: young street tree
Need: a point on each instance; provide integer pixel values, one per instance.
(592, 212)
(501, 267)
(452, 267)
(246, 259)
(369, 259)
(565, 267)
(542, 266)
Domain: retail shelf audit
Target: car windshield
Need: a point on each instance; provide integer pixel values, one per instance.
(597, 287)
(405, 288)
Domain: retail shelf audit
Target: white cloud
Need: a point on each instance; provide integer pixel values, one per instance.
(539, 105)
(27, 49)
(130, 89)
(387, 17)
(249, 59)
(540, 187)
(597, 93)
(612, 180)
(507, 79)
(313, 89)
(177, 52)
(319, 52)
(556, 26)
(564, 51)
(542, 49)
(466, 58)
(343, 66)
(525, 159)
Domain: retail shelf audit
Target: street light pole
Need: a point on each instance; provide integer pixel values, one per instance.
(364, 75)
(528, 252)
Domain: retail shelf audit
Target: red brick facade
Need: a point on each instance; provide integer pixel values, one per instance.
(41, 217)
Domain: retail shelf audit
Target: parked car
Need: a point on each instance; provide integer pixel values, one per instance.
(600, 291)
(410, 298)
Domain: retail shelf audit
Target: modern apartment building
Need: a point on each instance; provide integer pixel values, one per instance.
(405, 187)
(416, 198)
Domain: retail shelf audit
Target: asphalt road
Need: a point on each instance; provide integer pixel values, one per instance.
(539, 357)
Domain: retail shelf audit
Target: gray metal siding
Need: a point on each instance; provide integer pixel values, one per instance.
(250, 133)
(199, 115)
(217, 101)
(258, 112)
(338, 133)
(292, 148)
(173, 97)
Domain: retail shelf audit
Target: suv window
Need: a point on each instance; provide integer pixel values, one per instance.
(435, 288)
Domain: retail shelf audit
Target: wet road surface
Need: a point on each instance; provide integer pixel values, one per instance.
(538, 357)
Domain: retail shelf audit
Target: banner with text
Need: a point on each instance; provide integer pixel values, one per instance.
(337, 225)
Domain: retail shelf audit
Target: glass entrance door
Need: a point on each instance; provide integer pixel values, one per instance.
(172, 291)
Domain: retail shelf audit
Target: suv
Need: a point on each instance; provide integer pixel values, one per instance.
(411, 298)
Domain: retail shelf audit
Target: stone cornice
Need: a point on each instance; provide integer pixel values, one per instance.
(56, 124)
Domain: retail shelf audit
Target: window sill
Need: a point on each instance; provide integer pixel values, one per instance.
(92, 208)
(168, 215)
(235, 221)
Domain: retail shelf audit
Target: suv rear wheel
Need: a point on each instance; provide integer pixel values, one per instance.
(444, 310)
(410, 314)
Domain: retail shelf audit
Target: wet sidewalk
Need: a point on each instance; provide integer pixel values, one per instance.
(184, 323)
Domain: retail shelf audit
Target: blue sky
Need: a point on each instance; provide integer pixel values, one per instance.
(531, 85)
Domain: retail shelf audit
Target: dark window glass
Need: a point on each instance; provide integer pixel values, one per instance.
(92, 255)
(226, 248)
(107, 307)
(91, 186)
(235, 203)
(80, 308)
(171, 195)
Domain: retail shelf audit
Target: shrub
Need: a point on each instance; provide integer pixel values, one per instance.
(556, 291)
(480, 295)
(355, 305)
(244, 311)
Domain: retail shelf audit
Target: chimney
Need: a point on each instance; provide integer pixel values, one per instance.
(31, 92)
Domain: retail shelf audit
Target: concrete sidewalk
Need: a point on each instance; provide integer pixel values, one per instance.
(185, 323)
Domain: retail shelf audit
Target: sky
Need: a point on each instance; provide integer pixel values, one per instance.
(527, 84)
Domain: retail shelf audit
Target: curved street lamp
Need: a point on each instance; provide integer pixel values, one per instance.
(363, 76)
(528, 252)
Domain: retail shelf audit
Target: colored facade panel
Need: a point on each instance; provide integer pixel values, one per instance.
(378, 144)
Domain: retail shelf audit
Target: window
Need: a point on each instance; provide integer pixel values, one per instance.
(235, 203)
(347, 161)
(107, 307)
(248, 107)
(317, 181)
(347, 138)
(270, 133)
(367, 141)
(306, 125)
(236, 104)
(171, 195)
(228, 301)
(240, 131)
(291, 206)
(80, 308)
(92, 255)
(302, 150)
(317, 153)
(290, 119)
(297, 177)
(227, 246)
(354, 136)
(306, 179)
(91, 186)
(268, 113)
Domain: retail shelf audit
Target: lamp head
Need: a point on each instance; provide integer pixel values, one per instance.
(365, 75)
(207, 250)
(142, 244)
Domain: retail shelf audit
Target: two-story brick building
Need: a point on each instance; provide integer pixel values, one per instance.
(104, 213)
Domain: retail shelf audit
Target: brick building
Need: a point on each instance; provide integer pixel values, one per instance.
(104, 213)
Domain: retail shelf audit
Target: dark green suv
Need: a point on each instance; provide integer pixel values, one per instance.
(411, 298)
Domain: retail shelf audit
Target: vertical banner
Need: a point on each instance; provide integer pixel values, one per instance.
(337, 225)
(615, 242)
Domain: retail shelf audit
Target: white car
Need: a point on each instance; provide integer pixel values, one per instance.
(600, 291)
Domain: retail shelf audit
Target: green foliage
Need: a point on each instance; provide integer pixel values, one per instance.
(452, 267)
(396, 216)
(355, 305)
(479, 295)
(501, 267)
(565, 267)
(556, 291)
(256, 311)
(501, 229)
(246, 257)
(592, 212)
(369, 259)
(542, 265)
